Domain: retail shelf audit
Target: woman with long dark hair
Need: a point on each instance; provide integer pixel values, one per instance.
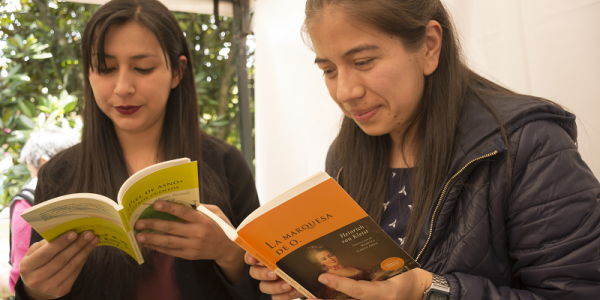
(141, 108)
(498, 202)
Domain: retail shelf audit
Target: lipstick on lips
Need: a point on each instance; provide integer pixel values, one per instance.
(127, 110)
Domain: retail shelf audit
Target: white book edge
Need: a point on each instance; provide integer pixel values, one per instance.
(104, 199)
(228, 229)
(300, 188)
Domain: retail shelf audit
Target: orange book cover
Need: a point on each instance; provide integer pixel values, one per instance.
(313, 228)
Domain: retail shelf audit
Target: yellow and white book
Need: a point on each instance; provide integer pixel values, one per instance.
(112, 221)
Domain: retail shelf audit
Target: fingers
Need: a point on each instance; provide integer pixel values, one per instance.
(355, 289)
(162, 241)
(262, 273)
(187, 213)
(73, 267)
(45, 254)
(217, 211)
(279, 290)
(170, 227)
(50, 268)
(250, 260)
(65, 257)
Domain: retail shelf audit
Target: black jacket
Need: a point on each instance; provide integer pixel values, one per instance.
(202, 279)
(535, 236)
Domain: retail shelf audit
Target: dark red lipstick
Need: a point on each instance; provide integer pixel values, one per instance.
(127, 110)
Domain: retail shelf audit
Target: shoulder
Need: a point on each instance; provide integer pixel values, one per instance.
(548, 169)
(215, 147)
(220, 156)
(482, 109)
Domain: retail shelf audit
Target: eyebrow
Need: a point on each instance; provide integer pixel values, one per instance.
(354, 50)
(139, 56)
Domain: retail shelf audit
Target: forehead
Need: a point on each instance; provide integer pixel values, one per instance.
(333, 34)
(130, 38)
(323, 253)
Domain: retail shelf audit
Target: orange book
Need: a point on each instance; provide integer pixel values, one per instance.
(314, 228)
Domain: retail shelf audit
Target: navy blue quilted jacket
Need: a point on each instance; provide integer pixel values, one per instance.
(535, 237)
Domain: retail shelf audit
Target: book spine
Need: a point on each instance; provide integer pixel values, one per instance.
(135, 247)
(294, 284)
(124, 219)
(255, 253)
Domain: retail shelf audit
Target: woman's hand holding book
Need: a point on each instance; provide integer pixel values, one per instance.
(49, 269)
(198, 238)
(270, 283)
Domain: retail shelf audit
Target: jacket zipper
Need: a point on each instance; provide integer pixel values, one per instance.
(444, 193)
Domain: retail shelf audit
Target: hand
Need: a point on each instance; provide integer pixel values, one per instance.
(410, 286)
(49, 269)
(198, 238)
(270, 283)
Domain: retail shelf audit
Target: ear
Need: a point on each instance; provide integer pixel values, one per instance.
(44, 159)
(177, 75)
(433, 47)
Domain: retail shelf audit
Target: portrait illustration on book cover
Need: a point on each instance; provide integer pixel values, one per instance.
(356, 251)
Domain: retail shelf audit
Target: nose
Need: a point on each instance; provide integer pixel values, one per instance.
(349, 86)
(124, 85)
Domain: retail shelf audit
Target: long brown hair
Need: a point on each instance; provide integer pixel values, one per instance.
(99, 164)
(366, 159)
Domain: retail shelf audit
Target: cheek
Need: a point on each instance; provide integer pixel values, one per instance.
(100, 88)
(157, 88)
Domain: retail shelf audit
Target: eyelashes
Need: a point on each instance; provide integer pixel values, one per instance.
(109, 70)
(363, 63)
(144, 71)
(359, 65)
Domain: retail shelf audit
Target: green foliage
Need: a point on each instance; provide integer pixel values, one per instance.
(213, 57)
(41, 78)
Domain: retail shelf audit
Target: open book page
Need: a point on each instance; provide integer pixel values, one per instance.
(176, 182)
(79, 213)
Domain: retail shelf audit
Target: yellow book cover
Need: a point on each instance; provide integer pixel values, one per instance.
(112, 221)
(313, 228)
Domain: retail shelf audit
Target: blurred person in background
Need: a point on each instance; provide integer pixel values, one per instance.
(40, 147)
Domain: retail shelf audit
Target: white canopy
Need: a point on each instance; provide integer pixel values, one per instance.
(193, 6)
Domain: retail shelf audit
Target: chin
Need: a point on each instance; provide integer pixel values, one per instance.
(373, 130)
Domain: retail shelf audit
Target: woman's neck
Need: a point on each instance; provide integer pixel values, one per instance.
(403, 152)
(140, 150)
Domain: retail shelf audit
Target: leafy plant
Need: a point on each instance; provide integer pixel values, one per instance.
(41, 78)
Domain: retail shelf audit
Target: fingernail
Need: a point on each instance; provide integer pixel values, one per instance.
(323, 280)
(88, 236)
(140, 225)
(95, 241)
(71, 236)
(271, 275)
(158, 206)
(140, 238)
(286, 287)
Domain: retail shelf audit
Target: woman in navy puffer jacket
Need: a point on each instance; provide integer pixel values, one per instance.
(501, 204)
